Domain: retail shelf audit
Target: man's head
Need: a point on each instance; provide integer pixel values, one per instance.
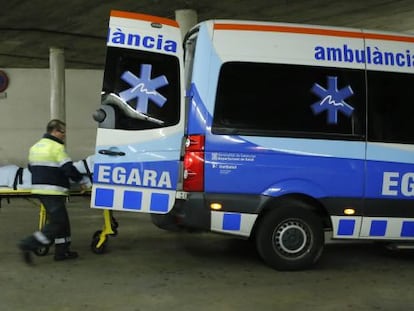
(56, 128)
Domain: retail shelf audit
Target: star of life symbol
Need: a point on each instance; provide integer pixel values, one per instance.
(332, 100)
(144, 88)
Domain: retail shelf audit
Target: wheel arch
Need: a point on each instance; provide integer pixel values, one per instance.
(301, 200)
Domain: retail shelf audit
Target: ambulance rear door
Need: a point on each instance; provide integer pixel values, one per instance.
(140, 119)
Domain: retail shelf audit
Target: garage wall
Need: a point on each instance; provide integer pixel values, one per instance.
(25, 111)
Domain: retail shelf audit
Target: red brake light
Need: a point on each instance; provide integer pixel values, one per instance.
(194, 143)
(194, 163)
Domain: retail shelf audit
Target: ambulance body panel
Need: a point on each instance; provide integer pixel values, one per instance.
(270, 131)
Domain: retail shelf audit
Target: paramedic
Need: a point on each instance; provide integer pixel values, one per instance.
(52, 170)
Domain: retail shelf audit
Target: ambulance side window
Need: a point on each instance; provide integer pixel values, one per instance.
(148, 83)
(279, 100)
(391, 107)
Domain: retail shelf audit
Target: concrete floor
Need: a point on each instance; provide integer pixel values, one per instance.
(147, 269)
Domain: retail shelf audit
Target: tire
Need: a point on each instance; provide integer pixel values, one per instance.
(290, 237)
(42, 250)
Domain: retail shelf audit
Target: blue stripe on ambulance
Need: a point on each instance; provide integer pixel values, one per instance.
(346, 227)
(329, 164)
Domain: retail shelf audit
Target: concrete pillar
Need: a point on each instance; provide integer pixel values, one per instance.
(57, 84)
(186, 19)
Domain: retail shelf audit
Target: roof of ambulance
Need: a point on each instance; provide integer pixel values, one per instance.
(80, 27)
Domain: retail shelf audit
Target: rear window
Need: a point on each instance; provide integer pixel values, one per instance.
(148, 83)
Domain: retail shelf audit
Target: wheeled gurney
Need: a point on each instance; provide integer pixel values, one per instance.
(10, 193)
(15, 182)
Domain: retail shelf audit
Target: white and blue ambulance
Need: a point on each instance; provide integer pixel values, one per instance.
(269, 131)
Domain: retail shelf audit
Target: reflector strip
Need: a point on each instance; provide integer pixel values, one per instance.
(380, 228)
(133, 199)
(232, 223)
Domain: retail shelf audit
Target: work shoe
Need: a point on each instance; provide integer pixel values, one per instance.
(66, 255)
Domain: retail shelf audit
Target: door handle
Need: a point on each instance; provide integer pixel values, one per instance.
(111, 152)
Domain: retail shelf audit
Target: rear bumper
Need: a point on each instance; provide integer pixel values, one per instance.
(194, 212)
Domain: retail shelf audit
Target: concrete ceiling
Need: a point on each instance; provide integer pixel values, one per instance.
(28, 28)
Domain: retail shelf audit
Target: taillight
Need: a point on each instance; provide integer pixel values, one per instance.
(194, 163)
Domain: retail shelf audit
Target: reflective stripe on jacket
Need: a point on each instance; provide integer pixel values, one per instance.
(51, 167)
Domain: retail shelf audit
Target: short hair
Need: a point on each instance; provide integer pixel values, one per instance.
(55, 124)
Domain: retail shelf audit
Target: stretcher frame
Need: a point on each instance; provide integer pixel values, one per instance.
(99, 238)
(26, 194)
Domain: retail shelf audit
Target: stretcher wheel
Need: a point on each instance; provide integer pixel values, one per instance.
(42, 250)
(94, 244)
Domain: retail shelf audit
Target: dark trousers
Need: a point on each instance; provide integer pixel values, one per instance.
(57, 227)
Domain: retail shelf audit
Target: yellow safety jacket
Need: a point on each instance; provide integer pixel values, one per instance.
(51, 167)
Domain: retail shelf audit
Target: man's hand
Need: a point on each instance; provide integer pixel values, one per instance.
(85, 184)
(83, 188)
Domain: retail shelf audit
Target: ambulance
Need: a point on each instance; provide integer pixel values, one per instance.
(273, 132)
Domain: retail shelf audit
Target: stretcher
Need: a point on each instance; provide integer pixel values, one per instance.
(15, 182)
(9, 193)
(99, 238)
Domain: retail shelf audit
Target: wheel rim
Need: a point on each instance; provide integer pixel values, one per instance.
(42, 250)
(292, 238)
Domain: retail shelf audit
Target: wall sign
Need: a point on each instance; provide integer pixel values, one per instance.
(4, 81)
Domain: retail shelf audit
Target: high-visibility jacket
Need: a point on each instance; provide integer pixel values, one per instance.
(51, 167)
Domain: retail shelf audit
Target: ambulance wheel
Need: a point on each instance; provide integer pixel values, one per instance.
(94, 244)
(290, 237)
(42, 250)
